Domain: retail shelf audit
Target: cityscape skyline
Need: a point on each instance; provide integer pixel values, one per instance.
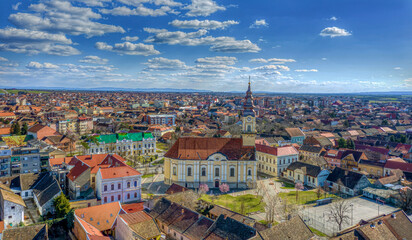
(295, 47)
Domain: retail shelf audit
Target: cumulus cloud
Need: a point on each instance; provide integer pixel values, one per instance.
(334, 32)
(2, 59)
(205, 24)
(218, 60)
(62, 17)
(169, 3)
(138, 11)
(161, 63)
(397, 68)
(306, 70)
(16, 6)
(259, 23)
(333, 18)
(272, 60)
(93, 3)
(130, 39)
(37, 65)
(218, 44)
(94, 60)
(35, 42)
(202, 8)
(128, 48)
(272, 68)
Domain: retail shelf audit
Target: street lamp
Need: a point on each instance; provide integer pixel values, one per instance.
(352, 214)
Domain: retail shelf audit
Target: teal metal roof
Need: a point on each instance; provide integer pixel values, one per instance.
(135, 137)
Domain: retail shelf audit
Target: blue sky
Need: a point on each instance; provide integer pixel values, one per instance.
(285, 46)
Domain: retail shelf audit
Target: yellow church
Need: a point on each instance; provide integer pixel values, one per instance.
(192, 161)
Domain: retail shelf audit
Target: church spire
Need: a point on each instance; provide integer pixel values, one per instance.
(248, 104)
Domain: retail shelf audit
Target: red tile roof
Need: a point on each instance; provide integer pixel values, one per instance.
(277, 151)
(404, 166)
(59, 161)
(189, 148)
(77, 170)
(118, 172)
(136, 217)
(101, 217)
(5, 131)
(133, 207)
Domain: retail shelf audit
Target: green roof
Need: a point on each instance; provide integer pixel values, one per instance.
(135, 137)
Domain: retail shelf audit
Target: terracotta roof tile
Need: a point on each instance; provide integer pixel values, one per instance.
(101, 217)
(118, 172)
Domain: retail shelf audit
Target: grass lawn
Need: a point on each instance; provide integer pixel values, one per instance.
(162, 146)
(159, 162)
(147, 175)
(317, 232)
(266, 222)
(286, 185)
(304, 197)
(251, 202)
(15, 91)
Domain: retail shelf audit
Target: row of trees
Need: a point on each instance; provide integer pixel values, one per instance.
(342, 143)
(17, 130)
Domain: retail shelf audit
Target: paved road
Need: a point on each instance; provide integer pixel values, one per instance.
(363, 208)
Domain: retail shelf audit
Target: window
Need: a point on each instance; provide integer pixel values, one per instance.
(203, 171)
(13, 207)
(112, 198)
(174, 171)
(232, 172)
(217, 172)
(128, 184)
(249, 128)
(135, 195)
(105, 200)
(189, 171)
(135, 183)
(118, 197)
(112, 187)
(105, 188)
(119, 186)
(128, 196)
(249, 172)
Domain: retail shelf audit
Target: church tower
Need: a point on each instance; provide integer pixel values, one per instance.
(248, 120)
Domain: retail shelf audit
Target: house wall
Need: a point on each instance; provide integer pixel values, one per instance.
(122, 194)
(274, 165)
(176, 171)
(123, 232)
(12, 217)
(376, 171)
(79, 231)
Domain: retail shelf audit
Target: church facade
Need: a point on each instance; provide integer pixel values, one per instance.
(192, 161)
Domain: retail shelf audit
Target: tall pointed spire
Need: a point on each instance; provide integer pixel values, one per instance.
(248, 105)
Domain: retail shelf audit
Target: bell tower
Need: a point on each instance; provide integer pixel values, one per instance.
(248, 120)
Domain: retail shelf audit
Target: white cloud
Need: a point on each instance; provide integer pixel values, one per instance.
(334, 32)
(218, 60)
(259, 23)
(397, 68)
(37, 65)
(128, 48)
(203, 8)
(333, 18)
(218, 44)
(62, 17)
(35, 42)
(94, 60)
(138, 11)
(272, 68)
(169, 3)
(2, 59)
(324, 59)
(134, 3)
(306, 70)
(273, 60)
(161, 63)
(130, 39)
(205, 24)
(93, 3)
(16, 6)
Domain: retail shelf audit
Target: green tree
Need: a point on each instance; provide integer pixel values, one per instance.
(350, 144)
(15, 128)
(61, 205)
(342, 143)
(24, 129)
(70, 219)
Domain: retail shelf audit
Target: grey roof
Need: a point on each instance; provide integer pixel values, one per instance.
(228, 228)
(311, 170)
(309, 148)
(45, 188)
(347, 178)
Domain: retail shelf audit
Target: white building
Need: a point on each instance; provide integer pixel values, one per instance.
(12, 208)
(121, 184)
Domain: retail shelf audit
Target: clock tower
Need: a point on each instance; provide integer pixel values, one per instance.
(248, 120)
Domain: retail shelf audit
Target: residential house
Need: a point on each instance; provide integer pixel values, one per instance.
(25, 160)
(347, 182)
(312, 154)
(373, 168)
(45, 190)
(12, 208)
(393, 164)
(122, 183)
(296, 135)
(320, 141)
(295, 229)
(39, 131)
(307, 174)
(97, 222)
(350, 159)
(137, 226)
(33, 232)
(333, 158)
(274, 160)
(395, 225)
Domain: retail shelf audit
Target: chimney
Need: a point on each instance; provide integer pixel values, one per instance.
(372, 225)
(393, 215)
(380, 222)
